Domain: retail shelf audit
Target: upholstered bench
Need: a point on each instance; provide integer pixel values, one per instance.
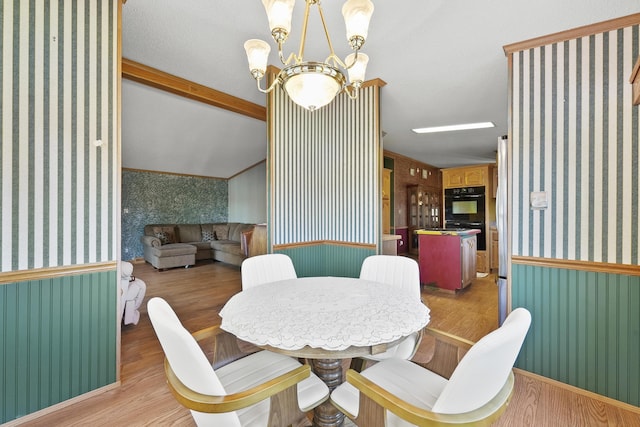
(171, 255)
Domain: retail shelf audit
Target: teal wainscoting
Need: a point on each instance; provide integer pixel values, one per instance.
(57, 340)
(327, 259)
(585, 329)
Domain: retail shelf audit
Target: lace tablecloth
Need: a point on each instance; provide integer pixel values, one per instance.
(331, 313)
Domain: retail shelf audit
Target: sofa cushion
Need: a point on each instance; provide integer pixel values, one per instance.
(221, 231)
(201, 246)
(173, 249)
(166, 235)
(228, 246)
(189, 233)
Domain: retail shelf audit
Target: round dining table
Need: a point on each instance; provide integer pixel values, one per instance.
(324, 319)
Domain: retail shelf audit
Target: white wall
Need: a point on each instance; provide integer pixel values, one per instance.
(248, 195)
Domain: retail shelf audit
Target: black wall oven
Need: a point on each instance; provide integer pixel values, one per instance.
(465, 208)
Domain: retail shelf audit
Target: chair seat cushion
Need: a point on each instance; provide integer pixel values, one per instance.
(263, 366)
(402, 378)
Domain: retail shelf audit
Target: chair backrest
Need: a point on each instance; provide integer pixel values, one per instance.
(399, 271)
(186, 358)
(483, 371)
(267, 268)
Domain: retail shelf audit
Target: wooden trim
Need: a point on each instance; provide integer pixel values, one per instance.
(573, 389)
(247, 168)
(597, 267)
(118, 192)
(374, 82)
(54, 272)
(59, 406)
(586, 30)
(174, 173)
(634, 73)
(160, 80)
(325, 242)
(635, 82)
(391, 154)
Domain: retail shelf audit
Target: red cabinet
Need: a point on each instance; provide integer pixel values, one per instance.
(447, 258)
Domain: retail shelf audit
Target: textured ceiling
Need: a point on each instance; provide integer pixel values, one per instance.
(442, 61)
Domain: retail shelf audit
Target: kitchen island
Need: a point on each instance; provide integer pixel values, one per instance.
(447, 257)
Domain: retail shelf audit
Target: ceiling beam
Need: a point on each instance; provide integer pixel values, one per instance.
(160, 80)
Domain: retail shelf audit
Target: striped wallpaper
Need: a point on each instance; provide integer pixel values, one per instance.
(575, 136)
(324, 168)
(58, 95)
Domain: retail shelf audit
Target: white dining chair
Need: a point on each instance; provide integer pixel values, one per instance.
(400, 272)
(259, 389)
(462, 384)
(266, 268)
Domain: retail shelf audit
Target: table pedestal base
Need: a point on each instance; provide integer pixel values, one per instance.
(329, 371)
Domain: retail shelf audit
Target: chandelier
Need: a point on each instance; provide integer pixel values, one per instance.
(312, 85)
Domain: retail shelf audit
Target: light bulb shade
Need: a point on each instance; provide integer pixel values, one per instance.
(357, 71)
(312, 85)
(257, 55)
(279, 13)
(357, 14)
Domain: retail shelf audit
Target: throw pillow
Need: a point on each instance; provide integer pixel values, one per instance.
(208, 236)
(221, 231)
(166, 235)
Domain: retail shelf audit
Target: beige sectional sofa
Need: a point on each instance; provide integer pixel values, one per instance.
(175, 245)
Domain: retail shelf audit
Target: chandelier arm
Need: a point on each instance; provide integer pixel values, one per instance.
(355, 60)
(270, 88)
(281, 54)
(326, 32)
(303, 37)
(351, 91)
(337, 62)
(292, 57)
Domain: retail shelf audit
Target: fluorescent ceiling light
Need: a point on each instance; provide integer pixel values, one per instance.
(466, 126)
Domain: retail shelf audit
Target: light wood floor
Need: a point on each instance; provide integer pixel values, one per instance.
(198, 293)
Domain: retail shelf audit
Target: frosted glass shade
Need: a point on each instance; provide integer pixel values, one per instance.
(257, 55)
(357, 71)
(312, 85)
(357, 14)
(279, 13)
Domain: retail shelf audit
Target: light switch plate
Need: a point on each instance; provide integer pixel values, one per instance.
(538, 200)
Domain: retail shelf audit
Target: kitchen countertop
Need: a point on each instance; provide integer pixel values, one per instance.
(449, 231)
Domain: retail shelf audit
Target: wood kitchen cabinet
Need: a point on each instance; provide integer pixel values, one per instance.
(466, 177)
(495, 255)
(386, 201)
(484, 175)
(424, 209)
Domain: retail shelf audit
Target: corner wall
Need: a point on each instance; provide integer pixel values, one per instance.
(574, 134)
(248, 195)
(324, 177)
(163, 198)
(60, 189)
